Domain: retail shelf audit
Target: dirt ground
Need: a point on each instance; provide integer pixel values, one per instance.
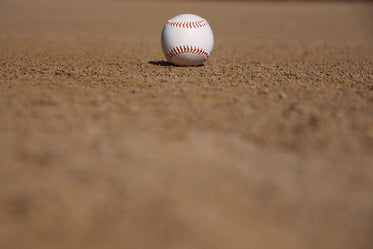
(269, 144)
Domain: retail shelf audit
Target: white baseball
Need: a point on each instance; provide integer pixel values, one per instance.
(187, 40)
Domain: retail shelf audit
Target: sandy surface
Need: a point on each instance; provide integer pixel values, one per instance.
(104, 145)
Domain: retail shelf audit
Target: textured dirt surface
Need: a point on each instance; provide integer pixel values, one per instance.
(104, 145)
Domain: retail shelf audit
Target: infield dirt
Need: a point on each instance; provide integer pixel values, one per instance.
(269, 144)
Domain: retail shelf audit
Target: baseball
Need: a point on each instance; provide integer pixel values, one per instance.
(187, 40)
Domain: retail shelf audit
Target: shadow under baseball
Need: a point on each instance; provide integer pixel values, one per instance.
(161, 63)
(167, 64)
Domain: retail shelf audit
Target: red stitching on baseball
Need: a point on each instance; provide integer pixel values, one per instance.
(187, 49)
(190, 25)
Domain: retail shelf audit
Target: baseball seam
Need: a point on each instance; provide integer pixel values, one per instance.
(190, 25)
(187, 49)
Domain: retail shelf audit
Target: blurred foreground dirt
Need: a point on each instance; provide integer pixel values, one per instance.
(104, 145)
